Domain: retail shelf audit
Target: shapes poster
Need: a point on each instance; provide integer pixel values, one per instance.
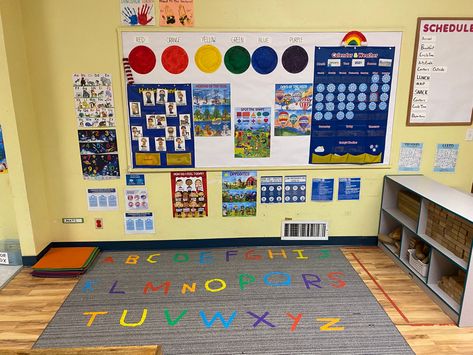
(136, 199)
(239, 190)
(252, 132)
(352, 91)
(137, 12)
(99, 154)
(161, 126)
(176, 13)
(189, 191)
(295, 188)
(3, 157)
(292, 109)
(211, 109)
(271, 189)
(93, 97)
(139, 223)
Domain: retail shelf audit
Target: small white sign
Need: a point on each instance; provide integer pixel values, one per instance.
(72, 220)
(4, 258)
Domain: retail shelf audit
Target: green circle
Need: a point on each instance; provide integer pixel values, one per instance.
(237, 59)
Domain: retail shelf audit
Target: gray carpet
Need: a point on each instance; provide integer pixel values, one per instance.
(264, 310)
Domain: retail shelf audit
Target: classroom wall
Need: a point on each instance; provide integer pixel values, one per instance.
(8, 228)
(66, 37)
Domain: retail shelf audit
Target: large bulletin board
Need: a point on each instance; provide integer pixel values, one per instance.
(442, 73)
(252, 98)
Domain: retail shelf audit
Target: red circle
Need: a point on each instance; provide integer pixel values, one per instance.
(174, 59)
(142, 59)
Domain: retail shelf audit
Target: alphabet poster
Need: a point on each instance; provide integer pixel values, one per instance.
(252, 132)
(189, 191)
(239, 190)
(3, 157)
(292, 109)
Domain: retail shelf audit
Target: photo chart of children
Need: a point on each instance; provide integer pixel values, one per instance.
(161, 122)
(292, 109)
(239, 192)
(189, 190)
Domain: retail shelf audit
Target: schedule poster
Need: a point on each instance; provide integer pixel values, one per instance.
(102, 199)
(211, 109)
(136, 199)
(252, 132)
(446, 158)
(3, 157)
(271, 189)
(410, 156)
(322, 189)
(189, 191)
(139, 223)
(295, 189)
(292, 109)
(349, 188)
(239, 190)
(161, 125)
(352, 87)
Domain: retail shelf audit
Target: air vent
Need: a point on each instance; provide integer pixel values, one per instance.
(304, 230)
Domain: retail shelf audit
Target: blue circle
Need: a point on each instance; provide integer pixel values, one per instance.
(375, 78)
(318, 116)
(361, 106)
(341, 97)
(352, 87)
(351, 97)
(330, 106)
(363, 87)
(331, 87)
(319, 97)
(319, 106)
(264, 60)
(374, 87)
(372, 106)
(320, 87)
(342, 87)
(386, 78)
(341, 106)
(329, 97)
(383, 105)
(350, 106)
(361, 97)
(340, 115)
(385, 88)
(328, 116)
(373, 97)
(350, 115)
(384, 97)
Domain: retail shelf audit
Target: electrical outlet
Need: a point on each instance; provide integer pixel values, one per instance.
(469, 134)
(98, 223)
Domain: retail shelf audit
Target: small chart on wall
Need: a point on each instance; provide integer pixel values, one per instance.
(251, 97)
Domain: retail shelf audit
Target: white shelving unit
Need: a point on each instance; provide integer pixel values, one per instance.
(442, 261)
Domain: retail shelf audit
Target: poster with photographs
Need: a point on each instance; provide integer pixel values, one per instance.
(136, 199)
(176, 13)
(211, 108)
(137, 12)
(161, 126)
(3, 157)
(292, 109)
(93, 98)
(99, 154)
(239, 191)
(189, 191)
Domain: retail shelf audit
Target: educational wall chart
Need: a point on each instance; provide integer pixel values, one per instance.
(292, 109)
(139, 223)
(102, 199)
(137, 12)
(3, 156)
(352, 91)
(442, 75)
(410, 156)
(322, 189)
(189, 191)
(446, 158)
(257, 68)
(271, 189)
(295, 189)
(135, 179)
(176, 13)
(349, 188)
(136, 199)
(239, 190)
(211, 110)
(161, 129)
(252, 132)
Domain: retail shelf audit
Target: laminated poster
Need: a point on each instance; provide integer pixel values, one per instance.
(322, 189)
(135, 179)
(137, 12)
(211, 108)
(3, 157)
(446, 158)
(102, 199)
(271, 189)
(349, 188)
(139, 223)
(292, 109)
(176, 13)
(239, 190)
(295, 189)
(136, 199)
(410, 156)
(189, 191)
(252, 132)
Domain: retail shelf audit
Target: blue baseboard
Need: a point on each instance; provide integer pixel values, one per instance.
(204, 243)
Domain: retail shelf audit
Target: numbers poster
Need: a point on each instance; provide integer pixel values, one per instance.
(239, 190)
(252, 132)
(292, 109)
(189, 191)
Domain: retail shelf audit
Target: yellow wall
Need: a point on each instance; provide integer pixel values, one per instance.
(7, 214)
(65, 37)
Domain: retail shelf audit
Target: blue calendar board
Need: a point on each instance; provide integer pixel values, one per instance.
(352, 87)
(161, 126)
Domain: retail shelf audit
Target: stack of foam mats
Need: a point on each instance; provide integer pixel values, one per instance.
(65, 262)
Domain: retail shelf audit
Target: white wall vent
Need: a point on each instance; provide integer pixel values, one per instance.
(304, 230)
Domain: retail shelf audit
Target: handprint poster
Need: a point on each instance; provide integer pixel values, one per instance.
(137, 12)
(176, 13)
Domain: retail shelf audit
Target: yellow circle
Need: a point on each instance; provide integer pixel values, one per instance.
(208, 58)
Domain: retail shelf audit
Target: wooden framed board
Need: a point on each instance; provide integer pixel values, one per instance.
(441, 92)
